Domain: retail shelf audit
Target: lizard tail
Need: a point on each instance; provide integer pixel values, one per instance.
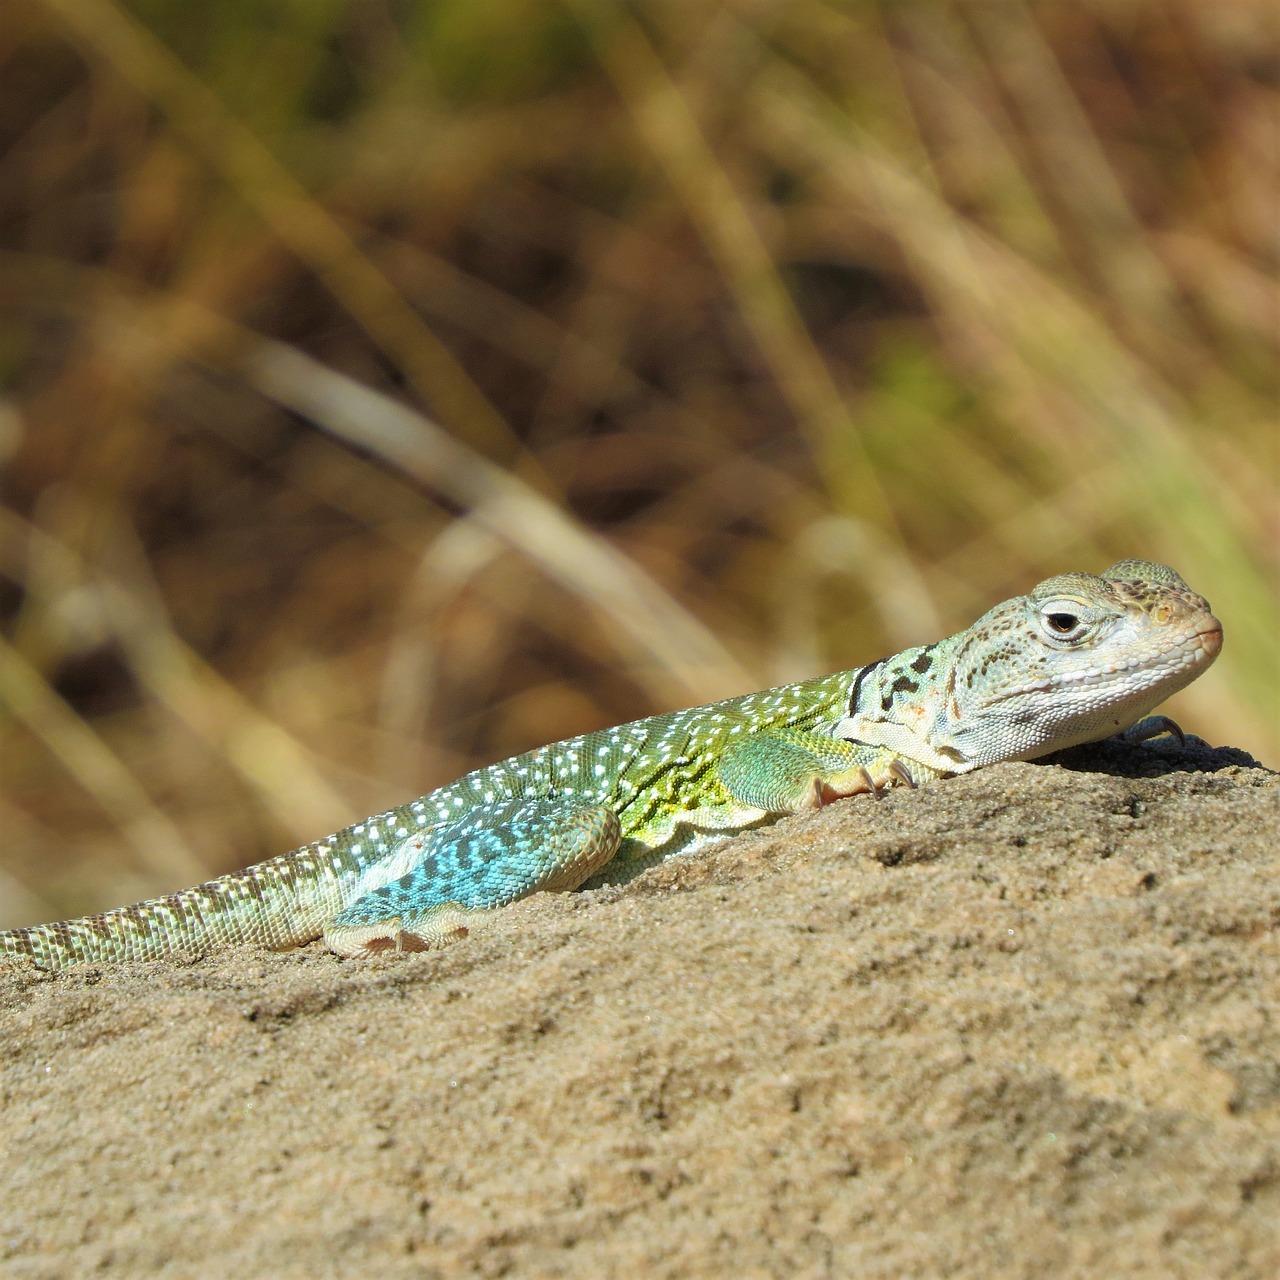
(268, 905)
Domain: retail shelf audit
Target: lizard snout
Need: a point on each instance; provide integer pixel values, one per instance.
(1211, 639)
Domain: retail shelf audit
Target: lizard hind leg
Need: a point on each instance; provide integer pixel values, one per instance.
(497, 854)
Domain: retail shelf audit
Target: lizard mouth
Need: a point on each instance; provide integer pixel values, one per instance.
(1210, 640)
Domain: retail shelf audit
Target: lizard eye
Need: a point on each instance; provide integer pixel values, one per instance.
(1061, 622)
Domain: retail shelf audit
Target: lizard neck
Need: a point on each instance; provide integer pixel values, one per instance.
(909, 704)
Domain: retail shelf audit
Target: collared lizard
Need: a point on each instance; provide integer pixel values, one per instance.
(1077, 659)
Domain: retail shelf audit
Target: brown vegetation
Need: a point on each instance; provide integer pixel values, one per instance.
(742, 341)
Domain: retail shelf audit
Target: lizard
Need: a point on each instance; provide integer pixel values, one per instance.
(1077, 659)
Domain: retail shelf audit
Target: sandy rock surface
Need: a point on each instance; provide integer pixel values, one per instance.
(1020, 1024)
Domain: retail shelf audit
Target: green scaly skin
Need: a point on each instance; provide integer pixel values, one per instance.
(1078, 659)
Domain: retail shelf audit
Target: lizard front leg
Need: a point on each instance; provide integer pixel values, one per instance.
(786, 770)
(495, 855)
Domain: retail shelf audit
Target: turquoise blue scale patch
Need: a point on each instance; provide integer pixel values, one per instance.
(497, 854)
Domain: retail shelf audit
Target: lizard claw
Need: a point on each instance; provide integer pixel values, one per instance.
(824, 793)
(900, 771)
(1153, 727)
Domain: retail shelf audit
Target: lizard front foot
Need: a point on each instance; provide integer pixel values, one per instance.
(788, 770)
(1153, 727)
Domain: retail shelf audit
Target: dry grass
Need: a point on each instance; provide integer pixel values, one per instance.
(387, 389)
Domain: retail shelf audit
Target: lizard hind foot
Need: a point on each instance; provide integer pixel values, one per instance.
(496, 854)
(428, 930)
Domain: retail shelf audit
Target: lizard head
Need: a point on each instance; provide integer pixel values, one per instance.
(1077, 659)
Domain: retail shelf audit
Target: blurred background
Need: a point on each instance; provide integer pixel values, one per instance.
(389, 387)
